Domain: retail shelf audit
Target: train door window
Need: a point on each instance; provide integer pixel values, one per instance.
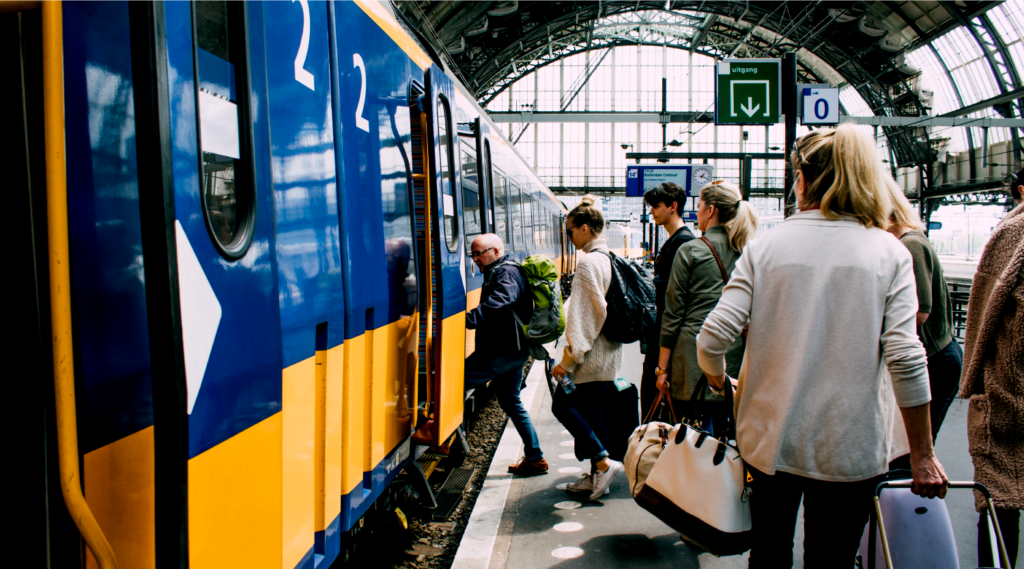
(470, 194)
(445, 166)
(228, 192)
(489, 205)
(501, 206)
(516, 211)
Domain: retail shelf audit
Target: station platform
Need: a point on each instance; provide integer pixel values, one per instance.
(527, 522)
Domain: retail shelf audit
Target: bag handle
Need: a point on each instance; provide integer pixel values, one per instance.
(698, 398)
(721, 267)
(654, 405)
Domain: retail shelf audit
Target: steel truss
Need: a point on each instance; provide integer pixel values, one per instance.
(497, 43)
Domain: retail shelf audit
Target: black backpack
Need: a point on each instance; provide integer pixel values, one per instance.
(631, 308)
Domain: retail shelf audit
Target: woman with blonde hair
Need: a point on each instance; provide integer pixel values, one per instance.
(934, 308)
(830, 301)
(699, 273)
(590, 361)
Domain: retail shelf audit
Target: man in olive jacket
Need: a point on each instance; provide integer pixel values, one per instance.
(501, 352)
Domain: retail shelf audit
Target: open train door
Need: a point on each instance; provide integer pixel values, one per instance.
(440, 233)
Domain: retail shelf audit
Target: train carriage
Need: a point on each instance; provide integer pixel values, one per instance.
(254, 296)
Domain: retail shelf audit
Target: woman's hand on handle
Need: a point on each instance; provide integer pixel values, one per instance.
(930, 479)
(663, 382)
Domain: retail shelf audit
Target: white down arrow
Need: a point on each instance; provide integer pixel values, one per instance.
(750, 108)
(200, 315)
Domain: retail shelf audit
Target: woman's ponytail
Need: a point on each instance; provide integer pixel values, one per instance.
(737, 216)
(742, 227)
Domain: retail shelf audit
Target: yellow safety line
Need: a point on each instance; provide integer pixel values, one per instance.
(60, 287)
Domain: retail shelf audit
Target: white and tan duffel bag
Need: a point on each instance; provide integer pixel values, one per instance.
(646, 443)
(697, 485)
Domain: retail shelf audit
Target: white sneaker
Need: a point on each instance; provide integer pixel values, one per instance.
(585, 485)
(603, 480)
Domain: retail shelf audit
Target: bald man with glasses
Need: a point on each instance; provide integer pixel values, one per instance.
(501, 352)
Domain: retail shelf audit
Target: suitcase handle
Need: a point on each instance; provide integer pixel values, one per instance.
(997, 539)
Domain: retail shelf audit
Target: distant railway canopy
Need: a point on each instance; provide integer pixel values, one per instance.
(863, 45)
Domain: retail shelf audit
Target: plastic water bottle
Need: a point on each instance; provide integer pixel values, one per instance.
(567, 384)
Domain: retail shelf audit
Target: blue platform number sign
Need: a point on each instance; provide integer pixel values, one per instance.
(821, 105)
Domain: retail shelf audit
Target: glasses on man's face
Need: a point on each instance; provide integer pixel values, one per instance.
(480, 253)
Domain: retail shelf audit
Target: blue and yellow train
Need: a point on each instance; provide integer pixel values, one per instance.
(246, 226)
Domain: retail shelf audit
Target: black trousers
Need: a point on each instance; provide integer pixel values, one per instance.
(835, 514)
(1009, 526)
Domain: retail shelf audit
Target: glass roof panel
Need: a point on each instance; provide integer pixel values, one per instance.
(1008, 20)
(853, 102)
(934, 77)
(967, 65)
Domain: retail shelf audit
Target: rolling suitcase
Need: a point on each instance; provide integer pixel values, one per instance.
(908, 531)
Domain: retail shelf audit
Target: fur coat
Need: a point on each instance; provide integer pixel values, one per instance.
(993, 372)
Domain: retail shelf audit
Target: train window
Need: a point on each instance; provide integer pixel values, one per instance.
(538, 227)
(552, 231)
(528, 220)
(501, 207)
(445, 166)
(228, 192)
(470, 194)
(515, 197)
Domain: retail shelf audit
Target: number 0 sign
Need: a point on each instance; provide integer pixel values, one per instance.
(821, 105)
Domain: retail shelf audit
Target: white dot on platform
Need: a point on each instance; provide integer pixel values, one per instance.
(569, 469)
(564, 432)
(567, 456)
(568, 526)
(567, 443)
(567, 552)
(568, 505)
(562, 486)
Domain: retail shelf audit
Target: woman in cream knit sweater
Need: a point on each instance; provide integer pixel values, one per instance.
(589, 359)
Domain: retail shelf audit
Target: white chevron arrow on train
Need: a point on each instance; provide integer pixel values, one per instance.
(200, 315)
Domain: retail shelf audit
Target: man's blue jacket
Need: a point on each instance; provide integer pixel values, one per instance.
(505, 290)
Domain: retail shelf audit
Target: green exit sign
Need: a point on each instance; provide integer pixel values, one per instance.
(747, 91)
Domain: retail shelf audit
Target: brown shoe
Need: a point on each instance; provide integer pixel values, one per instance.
(529, 468)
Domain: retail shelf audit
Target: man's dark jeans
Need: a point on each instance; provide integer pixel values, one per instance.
(505, 372)
(582, 414)
(835, 514)
(944, 368)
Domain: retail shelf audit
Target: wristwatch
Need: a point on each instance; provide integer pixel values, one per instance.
(659, 371)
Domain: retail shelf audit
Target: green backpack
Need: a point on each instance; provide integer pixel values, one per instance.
(548, 319)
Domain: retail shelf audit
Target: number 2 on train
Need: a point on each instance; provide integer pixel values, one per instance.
(301, 75)
(361, 123)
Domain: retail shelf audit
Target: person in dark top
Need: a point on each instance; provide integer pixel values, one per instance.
(501, 352)
(934, 312)
(666, 202)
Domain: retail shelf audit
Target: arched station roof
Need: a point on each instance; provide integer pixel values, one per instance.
(861, 44)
